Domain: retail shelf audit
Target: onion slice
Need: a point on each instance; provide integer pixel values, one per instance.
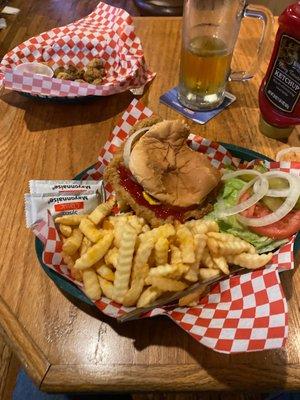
(259, 194)
(130, 142)
(235, 174)
(286, 206)
(278, 192)
(273, 192)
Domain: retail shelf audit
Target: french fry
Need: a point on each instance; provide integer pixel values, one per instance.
(200, 241)
(65, 230)
(119, 222)
(96, 252)
(149, 296)
(85, 245)
(71, 220)
(107, 224)
(77, 275)
(213, 245)
(91, 284)
(163, 270)
(124, 264)
(106, 287)
(250, 261)
(72, 244)
(176, 260)
(207, 259)
(137, 285)
(90, 231)
(174, 271)
(227, 244)
(136, 222)
(151, 259)
(142, 256)
(69, 261)
(192, 273)
(101, 211)
(111, 257)
(202, 226)
(192, 297)
(186, 244)
(221, 263)
(221, 236)
(175, 255)
(214, 262)
(207, 273)
(199, 245)
(165, 284)
(139, 271)
(161, 251)
(181, 270)
(105, 272)
(165, 230)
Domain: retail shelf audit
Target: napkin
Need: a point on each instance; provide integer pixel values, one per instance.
(240, 314)
(108, 33)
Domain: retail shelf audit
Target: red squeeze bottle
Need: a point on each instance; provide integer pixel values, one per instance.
(279, 91)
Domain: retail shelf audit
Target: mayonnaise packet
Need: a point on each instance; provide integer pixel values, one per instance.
(62, 186)
(37, 205)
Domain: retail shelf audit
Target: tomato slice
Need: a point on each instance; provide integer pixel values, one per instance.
(282, 229)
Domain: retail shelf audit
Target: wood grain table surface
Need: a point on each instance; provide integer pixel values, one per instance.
(65, 346)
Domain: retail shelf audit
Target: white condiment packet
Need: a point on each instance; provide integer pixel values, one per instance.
(37, 205)
(63, 186)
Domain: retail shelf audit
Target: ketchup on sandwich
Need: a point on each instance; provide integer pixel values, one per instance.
(161, 211)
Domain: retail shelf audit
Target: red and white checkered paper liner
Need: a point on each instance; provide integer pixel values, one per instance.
(108, 33)
(240, 314)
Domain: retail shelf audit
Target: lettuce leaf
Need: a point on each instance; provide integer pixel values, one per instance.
(227, 198)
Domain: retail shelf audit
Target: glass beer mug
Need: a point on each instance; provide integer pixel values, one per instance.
(209, 33)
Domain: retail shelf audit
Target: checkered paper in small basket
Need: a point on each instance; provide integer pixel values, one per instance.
(108, 33)
(240, 314)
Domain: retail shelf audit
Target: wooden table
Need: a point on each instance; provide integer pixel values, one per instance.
(65, 347)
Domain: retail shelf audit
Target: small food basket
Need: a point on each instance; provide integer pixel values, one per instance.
(107, 34)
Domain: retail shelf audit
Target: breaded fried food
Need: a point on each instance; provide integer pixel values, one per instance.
(65, 76)
(72, 71)
(80, 73)
(97, 81)
(92, 74)
(58, 71)
(174, 195)
(96, 63)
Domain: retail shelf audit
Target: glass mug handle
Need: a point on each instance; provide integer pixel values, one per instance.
(266, 16)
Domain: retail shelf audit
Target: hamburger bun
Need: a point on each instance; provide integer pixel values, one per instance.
(168, 169)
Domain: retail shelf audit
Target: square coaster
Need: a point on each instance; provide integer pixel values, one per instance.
(201, 117)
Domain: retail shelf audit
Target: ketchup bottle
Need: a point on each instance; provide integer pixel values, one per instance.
(279, 92)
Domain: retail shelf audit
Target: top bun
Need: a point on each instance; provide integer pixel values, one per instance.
(168, 169)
